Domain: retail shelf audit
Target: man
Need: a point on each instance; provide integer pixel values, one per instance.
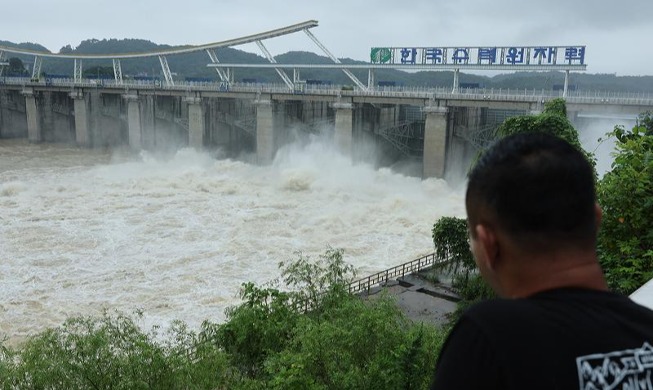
(533, 221)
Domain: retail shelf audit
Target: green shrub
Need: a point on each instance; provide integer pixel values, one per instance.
(626, 196)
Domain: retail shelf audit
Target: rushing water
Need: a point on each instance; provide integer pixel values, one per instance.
(82, 230)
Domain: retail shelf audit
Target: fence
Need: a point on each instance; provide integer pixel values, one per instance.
(394, 273)
(415, 92)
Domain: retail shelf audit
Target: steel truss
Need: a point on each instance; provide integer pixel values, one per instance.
(3, 64)
(402, 136)
(78, 70)
(117, 71)
(166, 71)
(36, 69)
(336, 60)
(248, 124)
(279, 71)
(224, 76)
(480, 137)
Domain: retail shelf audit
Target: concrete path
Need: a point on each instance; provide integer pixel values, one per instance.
(419, 299)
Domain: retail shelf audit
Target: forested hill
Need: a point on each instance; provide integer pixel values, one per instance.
(194, 65)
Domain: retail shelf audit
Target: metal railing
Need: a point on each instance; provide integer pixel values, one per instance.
(417, 92)
(394, 273)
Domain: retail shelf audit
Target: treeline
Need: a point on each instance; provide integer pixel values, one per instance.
(194, 65)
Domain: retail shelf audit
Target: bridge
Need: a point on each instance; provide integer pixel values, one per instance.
(438, 126)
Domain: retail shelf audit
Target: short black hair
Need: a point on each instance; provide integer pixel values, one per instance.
(537, 188)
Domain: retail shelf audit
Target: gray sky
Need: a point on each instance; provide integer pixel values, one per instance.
(617, 33)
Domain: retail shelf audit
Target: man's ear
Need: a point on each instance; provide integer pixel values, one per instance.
(598, 214)
(488, 245)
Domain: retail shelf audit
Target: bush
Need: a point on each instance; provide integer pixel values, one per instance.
(339, 342)
(451, 240)
(112, 352)
(625, 194)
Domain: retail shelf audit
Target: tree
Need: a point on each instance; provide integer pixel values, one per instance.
(451, 243)
(66, 49)
(553, 120)
(625, 194)
(112, 351)
(99, 72)
(451, 240)
(318, 336)
(17, 68)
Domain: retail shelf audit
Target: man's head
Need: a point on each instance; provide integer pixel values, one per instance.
(535, 192)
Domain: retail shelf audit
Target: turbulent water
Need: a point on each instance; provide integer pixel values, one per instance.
(82, 230)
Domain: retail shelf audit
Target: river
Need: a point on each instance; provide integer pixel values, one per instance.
(176, 235)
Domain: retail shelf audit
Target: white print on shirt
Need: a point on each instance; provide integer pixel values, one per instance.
(628, 369)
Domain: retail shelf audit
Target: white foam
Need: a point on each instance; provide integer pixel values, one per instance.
(11, 188)
(176, 237)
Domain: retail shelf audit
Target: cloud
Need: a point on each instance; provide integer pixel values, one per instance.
(350, 28)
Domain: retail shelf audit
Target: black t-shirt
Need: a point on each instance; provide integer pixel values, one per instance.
(558, 339)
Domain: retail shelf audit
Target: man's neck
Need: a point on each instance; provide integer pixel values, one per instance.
(560, 270)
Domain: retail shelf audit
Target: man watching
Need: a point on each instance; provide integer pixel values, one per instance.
(533, 221)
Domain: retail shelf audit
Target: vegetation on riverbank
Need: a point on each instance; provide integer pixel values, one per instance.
(626, 197)
(270, 341)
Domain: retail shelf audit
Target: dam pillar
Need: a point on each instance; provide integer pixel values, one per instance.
(81, 118)
(343, 129)
(195, 122)
(435, 141)
(134, 121)
(264, 130)
(33, 117)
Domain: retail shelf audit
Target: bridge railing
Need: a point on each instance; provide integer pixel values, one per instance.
(379, 278)
(418, 92)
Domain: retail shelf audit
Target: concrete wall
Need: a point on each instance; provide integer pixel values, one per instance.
(435, 141)
(344, 126)
(134, 127)
(195, 123)
(265, 143)
(33, 117)
(82, 134)
(13, 120)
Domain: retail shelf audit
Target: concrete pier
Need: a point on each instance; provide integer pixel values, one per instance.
(195, 122)
(264, 131)
(33, 117)
(343, 131)
(81, 119)
(134, 121)
(435, 141)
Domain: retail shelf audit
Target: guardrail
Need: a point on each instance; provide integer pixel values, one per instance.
(417, 92)
(394, 273)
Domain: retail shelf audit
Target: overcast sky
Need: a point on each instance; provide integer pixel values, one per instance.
(617, 33)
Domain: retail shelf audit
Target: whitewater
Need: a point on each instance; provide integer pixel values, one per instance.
(175, 236)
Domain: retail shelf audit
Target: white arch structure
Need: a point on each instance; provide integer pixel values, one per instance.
(209, 48)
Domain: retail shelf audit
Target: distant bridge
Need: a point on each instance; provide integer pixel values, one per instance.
(225, 71)
(438, 126)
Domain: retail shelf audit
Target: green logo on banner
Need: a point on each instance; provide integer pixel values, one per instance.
(380, 55)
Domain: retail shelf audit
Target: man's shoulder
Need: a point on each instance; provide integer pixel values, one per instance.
(562, 306)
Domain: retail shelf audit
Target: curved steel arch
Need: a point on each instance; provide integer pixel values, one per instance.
(189, 49)
(209, 48)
